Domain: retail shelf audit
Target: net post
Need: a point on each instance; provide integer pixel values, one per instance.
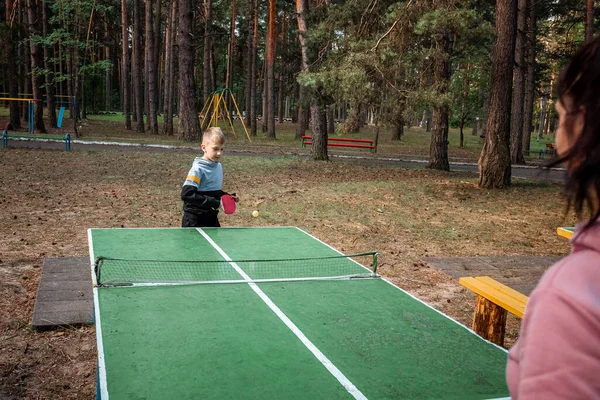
(375, 263)
(97, 267)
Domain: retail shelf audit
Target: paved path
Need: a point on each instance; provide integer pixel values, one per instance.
(533, 172)
(521, 273)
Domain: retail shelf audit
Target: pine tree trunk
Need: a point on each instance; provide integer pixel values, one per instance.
(465, 97)
(137, 66)
(280, 93)
(189, 127)
(282, 73)
(253, 83)
(107, 75)
(542, 117)
(50, 89)
(272, 41)
(494, 163)
(132, 92)
(438, 149)
(151, 76)
(230, 52)
(174, 95)
(125, 64)
(70, 92)
(13, 84)
(518, 95)
(301, 7)
(206, 86)
(330, 122)
(265, 90)
(319, 133)
(157, 48)
(169, 68)
(398, 127)
(36, 79)
(530, 78)
(249, 60)
(589, 20)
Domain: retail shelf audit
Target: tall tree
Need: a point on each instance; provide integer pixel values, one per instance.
(230, 52)
(137, 66)
(36, 65)
(207, 85)
(438, 149)
(49, 75)
(271, 46)
(157, 65)
(253, 125)
(251, 65)
(494, 162)
(170, 56)
(301, 6)
(125, 64)
(518, 95)
(150, 67)
(317, 111)
(529, 77)
(589, 20)
(107, 71)
(189, 127)
(13, 81)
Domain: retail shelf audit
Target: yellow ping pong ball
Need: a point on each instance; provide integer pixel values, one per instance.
(255, 213)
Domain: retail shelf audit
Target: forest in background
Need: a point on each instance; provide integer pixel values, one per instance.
(490, 65)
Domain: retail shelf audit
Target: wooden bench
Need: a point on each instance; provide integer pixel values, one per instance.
(343, 142)
(26, 136)
(494, 300)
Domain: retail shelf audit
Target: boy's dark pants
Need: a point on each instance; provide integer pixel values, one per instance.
(206, 220)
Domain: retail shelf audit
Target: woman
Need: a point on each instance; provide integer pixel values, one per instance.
(557, 355)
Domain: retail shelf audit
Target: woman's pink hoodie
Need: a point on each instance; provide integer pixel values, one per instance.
(557, 355)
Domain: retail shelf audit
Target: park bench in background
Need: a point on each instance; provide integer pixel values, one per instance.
(494, 300)
(27, 136)
(343, 142)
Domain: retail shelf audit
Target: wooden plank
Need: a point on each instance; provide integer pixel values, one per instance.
(504, 289)
(64, 294)
(494, 295)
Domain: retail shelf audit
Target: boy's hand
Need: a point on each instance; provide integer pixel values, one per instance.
(235, 197)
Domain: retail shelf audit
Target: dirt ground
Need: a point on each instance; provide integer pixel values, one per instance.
(49, 198)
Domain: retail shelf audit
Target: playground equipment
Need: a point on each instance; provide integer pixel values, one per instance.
(217, 107)
(27, 137)
(30, 110)
(62, 101)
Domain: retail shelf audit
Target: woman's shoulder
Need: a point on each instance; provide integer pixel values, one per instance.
(575, 278)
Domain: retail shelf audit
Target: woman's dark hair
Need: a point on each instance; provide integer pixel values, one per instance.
(579, 88)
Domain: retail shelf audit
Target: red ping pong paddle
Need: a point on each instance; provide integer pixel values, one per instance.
(228, 204)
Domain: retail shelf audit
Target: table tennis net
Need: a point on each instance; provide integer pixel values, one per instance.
(126, 272)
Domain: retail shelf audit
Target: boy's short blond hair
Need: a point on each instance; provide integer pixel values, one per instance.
(213, 134)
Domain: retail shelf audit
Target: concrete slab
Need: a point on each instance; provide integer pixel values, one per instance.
(518, 272)
(65, 294)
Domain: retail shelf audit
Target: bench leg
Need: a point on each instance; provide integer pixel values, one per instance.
(489, 321)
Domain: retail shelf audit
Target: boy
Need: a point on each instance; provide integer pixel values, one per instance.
(201, 192)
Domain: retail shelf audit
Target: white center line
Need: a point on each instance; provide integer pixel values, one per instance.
(349, 386)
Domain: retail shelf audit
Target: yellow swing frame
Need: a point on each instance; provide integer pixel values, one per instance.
(216, 103)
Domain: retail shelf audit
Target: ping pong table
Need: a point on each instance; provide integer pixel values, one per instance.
(292, 339)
